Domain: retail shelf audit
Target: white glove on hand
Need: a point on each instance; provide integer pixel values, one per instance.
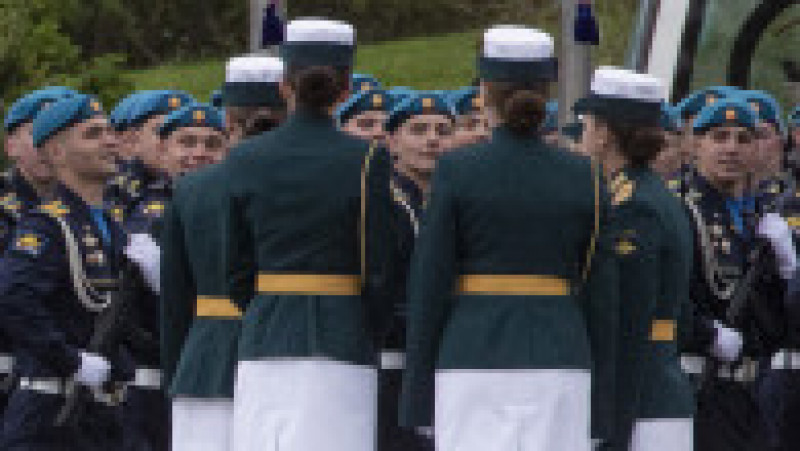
(94, 370)
(146, 254)
(774, 229)
(424, 431)
(727, 344)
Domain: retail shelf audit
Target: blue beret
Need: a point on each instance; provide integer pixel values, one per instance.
(63, 114)
(551, 117)
(26, 108)
(120, 115)
(794, 118)
(421, 103)
(374, 100)
(726, 112)
(670, 119)
(765, 106)
(691, 105)
(195, 115)
(466, 100)
(155, 103)
(364, 82)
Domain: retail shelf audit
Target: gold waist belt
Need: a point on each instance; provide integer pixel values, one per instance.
(512, 285)
(309, 284)
(217, 307)
(662, 330)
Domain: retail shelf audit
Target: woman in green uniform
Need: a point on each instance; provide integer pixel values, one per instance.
(507, 326)
(654, 249)
(306, 208)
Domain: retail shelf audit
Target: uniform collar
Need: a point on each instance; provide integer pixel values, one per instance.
(22, 188)
(411, 190)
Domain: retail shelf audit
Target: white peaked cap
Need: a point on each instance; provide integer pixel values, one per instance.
(625, 84)
(254, 69)
(319, 30)
(517, 43)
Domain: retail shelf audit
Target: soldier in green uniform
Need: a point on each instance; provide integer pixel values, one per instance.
(505, 335)
(198, 344)
(653, 244)
(252, 106)
(308, 261)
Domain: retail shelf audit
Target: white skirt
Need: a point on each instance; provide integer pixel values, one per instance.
(663, 434)
(524, 410)
(305, 405)
(201, 424)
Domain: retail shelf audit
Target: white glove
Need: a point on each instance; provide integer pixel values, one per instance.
(94, 370)
(424, 431)
(774, 229)
(727, 344)
(597, 443)
(146, 254)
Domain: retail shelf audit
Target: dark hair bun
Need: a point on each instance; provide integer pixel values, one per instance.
(639, 145)
(318, 88)
(524, 111)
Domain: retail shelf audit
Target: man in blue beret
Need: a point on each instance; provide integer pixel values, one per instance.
(364, 114)
(144, 175)
(56, 278)
(420, 130)
(22, 187)
(472, 125)
(767, 158)
(724, 344)
(191, 138)
(687, 111)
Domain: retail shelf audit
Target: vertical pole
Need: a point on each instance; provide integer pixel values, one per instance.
(256, 15)
(575, 64)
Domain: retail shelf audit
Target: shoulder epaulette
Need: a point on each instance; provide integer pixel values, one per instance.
(622, 189)
(55, 209)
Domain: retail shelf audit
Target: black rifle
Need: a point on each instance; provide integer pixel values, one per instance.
(114, 326)
(758, 260)
(105, 338)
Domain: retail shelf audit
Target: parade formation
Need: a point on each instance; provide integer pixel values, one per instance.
(318, 262)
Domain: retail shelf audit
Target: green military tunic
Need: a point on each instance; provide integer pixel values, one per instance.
(654, 249)
(200, 324)
(297, 248)
(513, 216)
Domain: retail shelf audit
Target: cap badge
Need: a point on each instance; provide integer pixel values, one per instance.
(710, 100)
(366, 86)
(199, 116)
(174, 102)
(377, 101)
(95, 106)
(730, 115)
(427, 103)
